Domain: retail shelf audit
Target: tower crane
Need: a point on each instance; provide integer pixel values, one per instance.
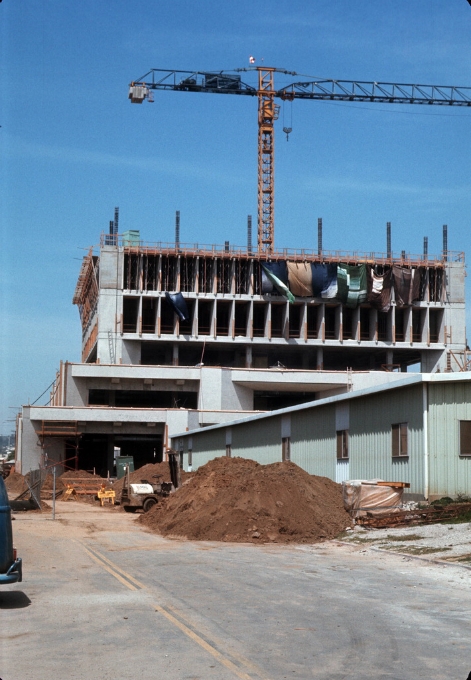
(230, 82)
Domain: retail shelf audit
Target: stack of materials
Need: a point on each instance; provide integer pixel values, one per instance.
(372, 497)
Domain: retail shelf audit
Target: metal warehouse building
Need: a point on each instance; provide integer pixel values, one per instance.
(417, 430)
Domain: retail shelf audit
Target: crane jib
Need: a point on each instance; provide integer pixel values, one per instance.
(226, 82)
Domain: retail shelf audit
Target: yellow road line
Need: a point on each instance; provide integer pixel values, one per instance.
(207, 647)
(133, 584)
(110, 571)
(117, 569)
(243, 661)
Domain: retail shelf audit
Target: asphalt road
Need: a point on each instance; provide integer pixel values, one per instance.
(103, 598)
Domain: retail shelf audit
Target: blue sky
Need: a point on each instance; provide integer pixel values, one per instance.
(73, 147)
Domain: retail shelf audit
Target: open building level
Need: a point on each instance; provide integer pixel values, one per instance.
(178, 338)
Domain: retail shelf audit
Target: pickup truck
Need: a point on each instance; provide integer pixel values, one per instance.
(10, 564)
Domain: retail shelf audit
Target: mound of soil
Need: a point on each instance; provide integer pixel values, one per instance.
(147, 472)
(15, 483)
(62, 480)
(236, 499)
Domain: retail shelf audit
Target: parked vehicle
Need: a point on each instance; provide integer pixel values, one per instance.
(145, 495)
(10, 564)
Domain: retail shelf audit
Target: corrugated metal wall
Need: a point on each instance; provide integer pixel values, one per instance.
(206, 446)
(371, 419)
(313, 442)
(260, 440)
(449, 403)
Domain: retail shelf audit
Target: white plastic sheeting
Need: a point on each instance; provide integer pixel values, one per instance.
(362, 496)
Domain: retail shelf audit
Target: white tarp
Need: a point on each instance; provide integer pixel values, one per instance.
(361, 496)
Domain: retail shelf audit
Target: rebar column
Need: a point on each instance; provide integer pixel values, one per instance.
(445, 242)
(388, 240)
(177, 229)
(319, 235)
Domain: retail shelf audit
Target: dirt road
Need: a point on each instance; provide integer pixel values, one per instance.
(103, 598)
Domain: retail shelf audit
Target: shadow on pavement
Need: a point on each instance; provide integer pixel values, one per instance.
(14, 599)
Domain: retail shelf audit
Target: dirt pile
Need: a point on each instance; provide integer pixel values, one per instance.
(147, 472)
(65, 477)
(15, 483)
(236, 499)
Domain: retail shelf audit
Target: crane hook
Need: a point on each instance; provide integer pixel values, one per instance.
(287, 130)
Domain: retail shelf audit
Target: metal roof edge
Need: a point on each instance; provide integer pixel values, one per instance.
(416, 379)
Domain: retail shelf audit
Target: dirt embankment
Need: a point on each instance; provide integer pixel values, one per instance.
(15, 483)
(236, 499)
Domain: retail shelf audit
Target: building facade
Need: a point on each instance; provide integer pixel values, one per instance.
(176, 338)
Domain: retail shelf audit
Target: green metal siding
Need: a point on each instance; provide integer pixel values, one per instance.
(313, 441)
(206, 446)
(449, 403)
(371, 419)
(259, 440)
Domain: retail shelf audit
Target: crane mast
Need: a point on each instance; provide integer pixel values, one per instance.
(227, 82)
(267, 114)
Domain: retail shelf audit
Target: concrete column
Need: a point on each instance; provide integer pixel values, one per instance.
(320, 358)
(175, 354)
(285, 330)
(159, 274)
(177, 274)
(248, 356)
(232, 320)
(374, 324)
(197, 274)
(356, 324)
(321, 322)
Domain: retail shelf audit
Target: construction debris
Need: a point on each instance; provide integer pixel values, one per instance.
(424, 515)
(236, 499)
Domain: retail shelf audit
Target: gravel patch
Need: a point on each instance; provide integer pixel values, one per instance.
(436, 541)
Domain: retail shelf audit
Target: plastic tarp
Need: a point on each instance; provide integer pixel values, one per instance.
(300, 278)
(324, 280)
(366, 496)
(379, 289)
(280, 286)
(406, 285)
(351, 281)
(177, 302)
(278, 269)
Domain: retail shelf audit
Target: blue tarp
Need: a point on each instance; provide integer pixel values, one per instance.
(324, 280)
(278, 269)
(177, 302)
(280, 286)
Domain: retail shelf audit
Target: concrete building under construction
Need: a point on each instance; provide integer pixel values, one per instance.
(177, 337)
